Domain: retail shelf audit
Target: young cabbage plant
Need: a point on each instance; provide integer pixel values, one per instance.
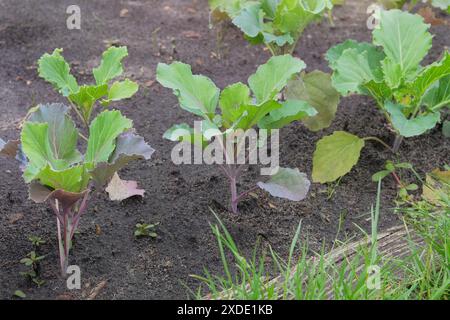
(411, 96)
(57, 172)
(399, 4)
(278, 24)
(83, 98)
(241, 108)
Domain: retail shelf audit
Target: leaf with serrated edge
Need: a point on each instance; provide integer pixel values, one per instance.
(250, 20)
(196, 94)
(119, 189)
(56, 70)
(335, 156)
(62, 133)
(103, 132)
(122, 90)
(69, 180)
(111, 65)
(405, 39)
(271, 77)
(129, 147)
(288, 184)
(86, 97)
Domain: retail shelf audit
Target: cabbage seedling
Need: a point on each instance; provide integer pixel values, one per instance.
(241, 108)
(56, 171)
(278, 24)
(411, 96)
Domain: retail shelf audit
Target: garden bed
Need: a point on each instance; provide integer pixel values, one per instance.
(179, 198)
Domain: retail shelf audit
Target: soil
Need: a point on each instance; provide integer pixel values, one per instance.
(180, 198)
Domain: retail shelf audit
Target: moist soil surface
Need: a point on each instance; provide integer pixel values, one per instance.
(179, 198)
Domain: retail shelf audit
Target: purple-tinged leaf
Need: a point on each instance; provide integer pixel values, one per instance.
(129, 147)
(40, 194)
(288, 184)
(119, 189)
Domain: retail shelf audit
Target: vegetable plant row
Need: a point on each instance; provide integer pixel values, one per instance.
(411, 96)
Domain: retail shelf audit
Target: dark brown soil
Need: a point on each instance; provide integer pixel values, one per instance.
(179, 197)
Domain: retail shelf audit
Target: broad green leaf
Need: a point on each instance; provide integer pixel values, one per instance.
(182, 132)
(438, 96)
(335, 156)
(196, 94)
(68, 179)
(56, 70)
(271, 77)
(441, 4)
(411, 127)
(288, 184)
(292, 17)
(316, 89)
(111, 65)
(253, 114)
(405, 39)
(86, 97)
(378, 90)
(430, 75)
(62, 134)
(355, 68)
(269, 7)
(333, 54)
(250, 20)
(129, 147)
(103, 132)
(232, 100)
(291, 110)
(36, 146)
(122, 90)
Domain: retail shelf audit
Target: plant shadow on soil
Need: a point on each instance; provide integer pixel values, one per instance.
(179, 197)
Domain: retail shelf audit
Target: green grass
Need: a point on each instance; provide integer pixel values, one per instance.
(422, 274)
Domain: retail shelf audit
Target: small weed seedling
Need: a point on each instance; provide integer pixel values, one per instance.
(145, 230)
(409, 95)
(392, 168)
(278, 24)
(56, 171)
(36, 241)
(240, 112)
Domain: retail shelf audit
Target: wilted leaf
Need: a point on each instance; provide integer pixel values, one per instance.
(119, 189)
(287, 184)
(9, 149)
(335, 156)
(437, 187)
(111, 65)
(316, 89)
(430, 17)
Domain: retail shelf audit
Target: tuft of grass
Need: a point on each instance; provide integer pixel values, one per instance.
(349, 272)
